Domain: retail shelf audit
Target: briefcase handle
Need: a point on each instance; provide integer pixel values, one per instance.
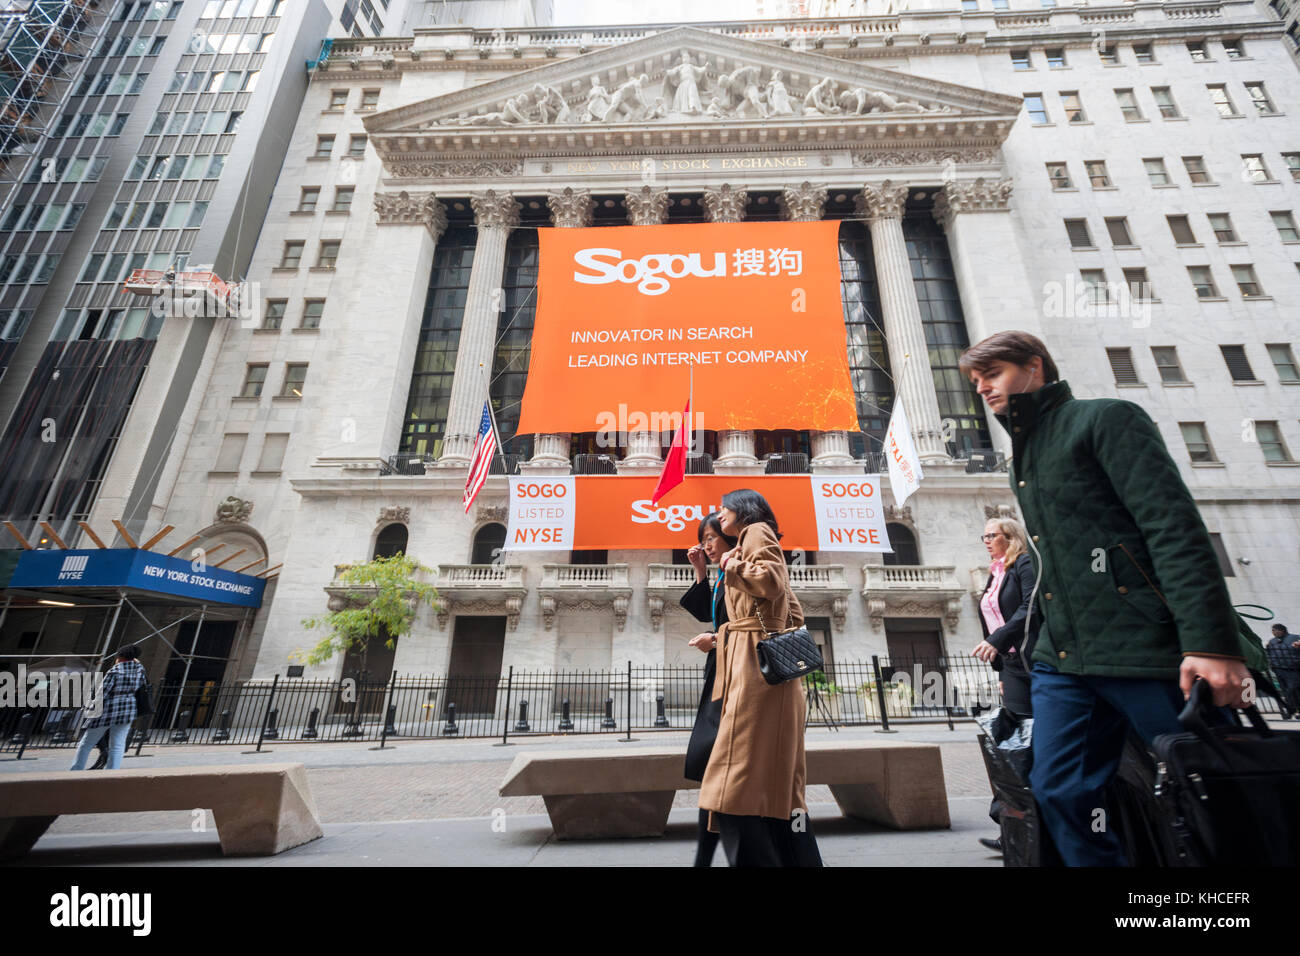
(1200, 703)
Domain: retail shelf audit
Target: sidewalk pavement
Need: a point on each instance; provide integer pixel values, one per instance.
(435, 803)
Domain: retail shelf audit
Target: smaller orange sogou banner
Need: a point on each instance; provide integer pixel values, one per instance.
(625, 313)
(616, 513)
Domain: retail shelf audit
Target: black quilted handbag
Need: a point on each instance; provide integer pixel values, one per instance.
(783, 657)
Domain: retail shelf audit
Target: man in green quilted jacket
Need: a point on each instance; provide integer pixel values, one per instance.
(1133, 603)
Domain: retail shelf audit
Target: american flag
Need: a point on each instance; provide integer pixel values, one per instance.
(480, 462)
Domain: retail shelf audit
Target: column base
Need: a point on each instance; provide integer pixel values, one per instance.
(547, 467)
(640, 466)
(739, 466)
(836, 465)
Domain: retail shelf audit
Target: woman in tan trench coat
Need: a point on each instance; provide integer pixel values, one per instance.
(754, 784)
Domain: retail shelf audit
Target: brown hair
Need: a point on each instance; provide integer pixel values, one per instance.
(1014, 347)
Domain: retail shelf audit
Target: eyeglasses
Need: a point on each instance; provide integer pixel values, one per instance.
(986, 538)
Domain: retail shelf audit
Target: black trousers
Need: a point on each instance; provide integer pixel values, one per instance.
(707, 843)
(768, 841)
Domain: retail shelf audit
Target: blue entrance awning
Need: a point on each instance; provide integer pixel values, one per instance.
(135, 569)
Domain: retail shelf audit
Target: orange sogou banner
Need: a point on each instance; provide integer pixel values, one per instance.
(625, 312)
(615, 513)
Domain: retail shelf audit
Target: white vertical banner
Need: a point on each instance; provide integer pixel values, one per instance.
(850, 514)
(541, 514)
(904, 467)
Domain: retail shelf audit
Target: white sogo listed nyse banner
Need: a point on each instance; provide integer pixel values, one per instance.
(541, 514)
(850, 514)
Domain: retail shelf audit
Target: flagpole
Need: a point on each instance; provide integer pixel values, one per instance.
(487, 392)
(690, 413)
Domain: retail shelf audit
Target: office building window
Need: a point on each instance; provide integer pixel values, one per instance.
(1247, 281)
(312, 309)
(1283, 362)
(342, 199)
(1234, 356)
(1182, 230)
(1203, 282)
(1095, 281)
(1073, 106)
(329, 254)
(1234, 49)
(1221, 100)
(1077, 230)
(273, 447)
(292, 255)
(254, 379)
(324, 147)
(1109, 55)
(1196, 48)
(1167, 364)
(1143, 53)
(1259, 96)
(1197, 440)
(1221, 223)
(1157, 174)
(1118, 229)
(1020, 60)
(1139, 286)
(231, 453)
(1121, 364)
(1128, 105)
(369, 99)
(1270, 441)
(357, 147)
(307, 201)
(1196, 171)
(1035, 108)
(295, 375)
(1098, 175)
(1284, 221)
(1253, 166)
(338, 99)
(1055, 56)
(1059, 174)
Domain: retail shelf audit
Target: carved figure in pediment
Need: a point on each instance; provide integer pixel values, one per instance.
(628, 104)
(860, 100)
(743, 86)
(821, 99)
(682, 83)
(550, 105)
(778, 98)
(714, 109)
(597, 104)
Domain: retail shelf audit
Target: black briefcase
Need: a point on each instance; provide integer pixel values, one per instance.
(1227, 794)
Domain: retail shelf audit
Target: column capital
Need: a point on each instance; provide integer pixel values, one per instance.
(413, 209)
(978, 196)
(802, 203)
(725, 204)
(885, 201)
(646, 206)
(571, 208)
(493, 210)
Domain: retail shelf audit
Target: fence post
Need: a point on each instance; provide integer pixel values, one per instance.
(25, 723)
(505, 718)
(629, 703)
(270, 702)
(880, 697)
(383, 734)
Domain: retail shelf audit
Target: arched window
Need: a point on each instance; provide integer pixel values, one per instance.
(903, 542)
(391, 541)
(487, 543)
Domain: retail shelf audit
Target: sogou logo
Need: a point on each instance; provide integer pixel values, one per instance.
(73, 567)
(674, 516)
(650, 273)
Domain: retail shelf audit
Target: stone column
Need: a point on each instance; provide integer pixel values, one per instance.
(645, 207)
(495, 214)
(806, 203)
(570, 209)
(996, 294)
(913, 381)
(735, 447)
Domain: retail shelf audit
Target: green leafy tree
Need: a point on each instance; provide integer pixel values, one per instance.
(382, 598)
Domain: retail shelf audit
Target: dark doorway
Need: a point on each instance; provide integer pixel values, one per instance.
(477, 645)
(200, 692)
(391, 541)
(488, 542)
(371, 675)
(903, 542)
(820, 629)
(917, 644)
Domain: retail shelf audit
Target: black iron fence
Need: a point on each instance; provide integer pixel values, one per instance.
(634, 699)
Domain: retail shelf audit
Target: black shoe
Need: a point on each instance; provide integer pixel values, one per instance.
(994, 845)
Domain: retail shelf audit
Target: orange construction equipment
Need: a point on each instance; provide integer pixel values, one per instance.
(153, 281)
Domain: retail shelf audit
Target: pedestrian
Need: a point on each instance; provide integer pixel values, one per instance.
(1004, 607)
(1134, 604)
(707, 604)
(117, 709)
(1284, 657)
(754, 783)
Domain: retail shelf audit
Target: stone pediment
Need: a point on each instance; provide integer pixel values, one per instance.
(686, 86)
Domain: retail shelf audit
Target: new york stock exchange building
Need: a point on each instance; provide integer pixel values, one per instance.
(974, 173)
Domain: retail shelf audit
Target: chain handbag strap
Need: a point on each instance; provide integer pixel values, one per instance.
(789, 617)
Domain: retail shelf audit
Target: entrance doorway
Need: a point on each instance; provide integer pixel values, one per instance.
(200, 692)
(474, 674)
(371, 671)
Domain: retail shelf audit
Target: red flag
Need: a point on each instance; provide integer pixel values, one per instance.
(674, 472)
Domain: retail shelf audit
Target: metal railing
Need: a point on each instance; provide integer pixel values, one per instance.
(629, 700)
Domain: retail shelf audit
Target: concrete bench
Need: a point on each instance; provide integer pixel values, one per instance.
(259, 811)
(628, 793)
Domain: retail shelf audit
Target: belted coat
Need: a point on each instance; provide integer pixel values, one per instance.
(757, 767)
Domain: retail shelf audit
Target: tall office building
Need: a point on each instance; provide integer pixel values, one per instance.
(1121, 180)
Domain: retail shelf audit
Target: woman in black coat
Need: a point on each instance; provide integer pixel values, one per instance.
(707, 604)
(1003, 607)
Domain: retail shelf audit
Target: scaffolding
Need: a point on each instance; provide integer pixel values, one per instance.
(42, 44)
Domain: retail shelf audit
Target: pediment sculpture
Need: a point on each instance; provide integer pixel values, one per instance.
(688, 90)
